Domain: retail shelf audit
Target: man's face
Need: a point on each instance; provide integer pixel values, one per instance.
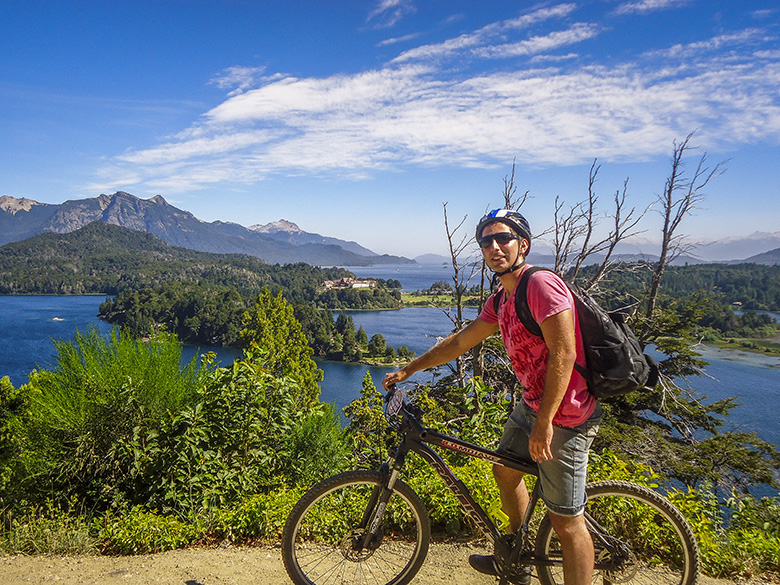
(501, 257)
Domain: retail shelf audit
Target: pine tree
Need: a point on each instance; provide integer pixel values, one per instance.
(277, 337)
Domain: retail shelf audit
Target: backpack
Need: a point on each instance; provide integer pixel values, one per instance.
(615, 362)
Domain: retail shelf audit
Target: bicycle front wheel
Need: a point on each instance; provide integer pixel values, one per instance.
(323, 538)
(641, 538)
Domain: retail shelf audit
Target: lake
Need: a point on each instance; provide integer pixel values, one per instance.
(29, 323)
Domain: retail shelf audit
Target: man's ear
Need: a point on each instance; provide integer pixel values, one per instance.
(524, 245)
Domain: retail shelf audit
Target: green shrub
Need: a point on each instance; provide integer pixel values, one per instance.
(317, 446)
(80, 416)
(138, 531)
(259, 516)
(443, 508)
(737, 538)
(235, 440)
(50, 531)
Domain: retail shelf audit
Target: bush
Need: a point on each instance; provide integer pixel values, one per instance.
(79, 417)
(260, 516)
(317, 446)
(50, 531)
(235, 440)
(140, 531)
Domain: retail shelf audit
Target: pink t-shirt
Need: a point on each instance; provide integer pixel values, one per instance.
(547, 295)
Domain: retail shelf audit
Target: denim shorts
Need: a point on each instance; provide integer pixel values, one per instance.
(563, 477)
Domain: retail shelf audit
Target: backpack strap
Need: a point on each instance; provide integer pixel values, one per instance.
(524, 312)
(497, 298)
(521, 301)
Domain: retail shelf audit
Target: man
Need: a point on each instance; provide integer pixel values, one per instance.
(555, 422)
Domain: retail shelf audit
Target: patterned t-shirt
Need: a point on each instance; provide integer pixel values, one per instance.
(547, 295)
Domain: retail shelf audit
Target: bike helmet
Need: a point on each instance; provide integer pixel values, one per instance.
(510, 217)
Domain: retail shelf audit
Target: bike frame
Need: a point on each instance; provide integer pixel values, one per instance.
(416, 438)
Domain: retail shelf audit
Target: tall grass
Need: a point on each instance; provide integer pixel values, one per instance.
(82, 415)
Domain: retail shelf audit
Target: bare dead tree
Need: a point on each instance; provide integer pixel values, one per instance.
(575, 231)
(680, 197)
(568, 228)
(462, 273)
(511, 200)
(623, 227)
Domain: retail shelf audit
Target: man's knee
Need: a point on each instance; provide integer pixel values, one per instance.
(569, 527)
(506, 476)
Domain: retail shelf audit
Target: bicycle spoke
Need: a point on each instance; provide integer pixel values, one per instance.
(647, 540)
(321, 542)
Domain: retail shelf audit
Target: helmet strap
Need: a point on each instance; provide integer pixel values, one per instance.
(514, 268)
(517, 265)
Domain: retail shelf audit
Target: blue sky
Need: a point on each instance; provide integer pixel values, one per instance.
(360, 119)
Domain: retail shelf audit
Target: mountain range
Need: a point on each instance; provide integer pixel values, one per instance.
(280, 242)
(283, 242)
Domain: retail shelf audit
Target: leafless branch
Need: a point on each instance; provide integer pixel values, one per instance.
(680, 197)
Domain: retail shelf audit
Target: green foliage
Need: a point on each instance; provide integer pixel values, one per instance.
(443, 507)
(141, 531)
(51, 530)
(317, 447)
(79, 417)
(737, 538)
(272, 327)
(11, 405)
(234, 440)
(367, 432)
(258, 516)
(485, 415)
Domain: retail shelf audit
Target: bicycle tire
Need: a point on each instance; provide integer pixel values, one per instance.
(663, 547)
(317, 537)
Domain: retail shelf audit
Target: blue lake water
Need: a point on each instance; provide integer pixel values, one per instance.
(29, 323)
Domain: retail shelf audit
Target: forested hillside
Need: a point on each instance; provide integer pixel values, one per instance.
(108, 259)
(753, 287)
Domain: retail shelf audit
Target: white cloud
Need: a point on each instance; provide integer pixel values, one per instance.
(240, 78)
(413, 113)
(480, 39)
(389, 12)
(690, 50)
(649, 6)
(396, 40)
(576, 34)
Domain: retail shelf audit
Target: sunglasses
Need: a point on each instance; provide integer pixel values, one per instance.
(501, 238)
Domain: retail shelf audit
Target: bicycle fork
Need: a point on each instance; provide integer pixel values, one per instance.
(369, 531)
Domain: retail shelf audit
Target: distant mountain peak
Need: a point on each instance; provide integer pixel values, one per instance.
(279, 242)
(277, 226)
(13, 205)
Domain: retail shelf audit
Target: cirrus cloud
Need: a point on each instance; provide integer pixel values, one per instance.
(425, 108)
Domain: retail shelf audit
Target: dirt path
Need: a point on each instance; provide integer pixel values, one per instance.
(446, 564)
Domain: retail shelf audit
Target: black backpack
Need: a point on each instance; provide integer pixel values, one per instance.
(615, 362)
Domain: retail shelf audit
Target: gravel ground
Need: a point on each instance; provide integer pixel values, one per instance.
(445, 564)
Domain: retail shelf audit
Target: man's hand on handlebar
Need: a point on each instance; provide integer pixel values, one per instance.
(392, 378)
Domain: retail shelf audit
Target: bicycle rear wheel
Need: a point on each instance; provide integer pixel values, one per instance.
(320, 543)
(660, 548)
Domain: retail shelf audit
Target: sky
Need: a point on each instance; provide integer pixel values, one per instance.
(362, 119)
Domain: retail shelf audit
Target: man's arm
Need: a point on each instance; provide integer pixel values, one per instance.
(445, 351)
(559, 335)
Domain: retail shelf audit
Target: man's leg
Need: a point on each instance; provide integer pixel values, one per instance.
(577, 548)
(514, 494)
(514, 501)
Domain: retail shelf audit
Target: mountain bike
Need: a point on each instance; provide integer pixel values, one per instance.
(365, 527)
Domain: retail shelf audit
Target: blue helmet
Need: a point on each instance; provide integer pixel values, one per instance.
(510, 217)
